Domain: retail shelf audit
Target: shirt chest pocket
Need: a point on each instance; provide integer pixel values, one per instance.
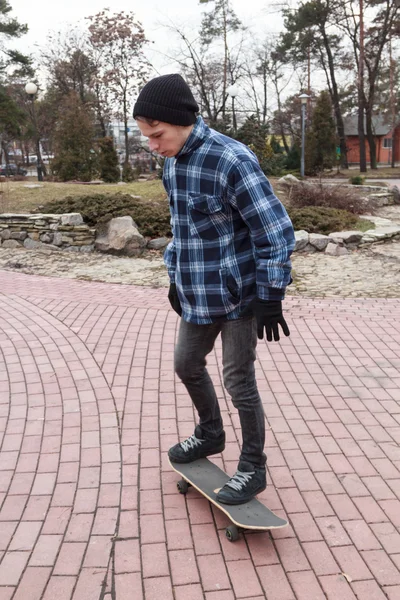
(207, 217)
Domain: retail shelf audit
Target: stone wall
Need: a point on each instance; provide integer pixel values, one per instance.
(55, 232)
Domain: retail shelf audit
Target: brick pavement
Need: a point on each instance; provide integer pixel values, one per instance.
(89, 405)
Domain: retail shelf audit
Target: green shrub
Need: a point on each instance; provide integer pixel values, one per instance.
(357, 180)
(151, 216)
(293, 158)
(128, 174)
(320, 219)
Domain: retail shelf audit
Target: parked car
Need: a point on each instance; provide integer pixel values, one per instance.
(12, 169)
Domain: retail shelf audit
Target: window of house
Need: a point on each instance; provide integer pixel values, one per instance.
(387, 142)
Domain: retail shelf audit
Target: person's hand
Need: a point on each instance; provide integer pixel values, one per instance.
(174, 300)
(268, 314)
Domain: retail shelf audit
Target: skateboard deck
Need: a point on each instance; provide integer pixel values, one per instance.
(208, 479)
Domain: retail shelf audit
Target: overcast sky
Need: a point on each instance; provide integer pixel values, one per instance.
(43, 16)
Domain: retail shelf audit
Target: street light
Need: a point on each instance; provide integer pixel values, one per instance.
(31, 89)
(303, 99)
(233, 91)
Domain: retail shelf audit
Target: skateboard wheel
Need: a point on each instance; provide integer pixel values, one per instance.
(182, 486)
(232, 533)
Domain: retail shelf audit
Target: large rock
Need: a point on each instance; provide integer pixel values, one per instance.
(71, 219)
(301, 237)
(11, 244)
(396, 194)
(18, 235)
(122, 237)
(319, 241)
(288, 179)
(57, 238)
(5, 234)
(46, 238)
(158, 243)
(347, 237)
(383, 199)
(34, 245)
(335, 250)
(381, 233)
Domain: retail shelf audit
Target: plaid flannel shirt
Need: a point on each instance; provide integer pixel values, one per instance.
(232, 237)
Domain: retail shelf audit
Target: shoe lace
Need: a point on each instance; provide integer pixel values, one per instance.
(190, 443)
(239, 480)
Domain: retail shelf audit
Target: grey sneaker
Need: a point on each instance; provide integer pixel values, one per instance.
(196, 446)
(247, 482)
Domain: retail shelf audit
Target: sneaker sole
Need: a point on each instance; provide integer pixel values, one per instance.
(182, 461)
(236, 501)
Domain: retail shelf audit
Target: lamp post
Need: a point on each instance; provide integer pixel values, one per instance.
(31, 89)
(233, 91)
(303, 100)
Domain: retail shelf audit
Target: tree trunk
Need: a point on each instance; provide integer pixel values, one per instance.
(265, 96)
(361, 134)
(371, 137)
(281, 127)
(5, 150)
(126, 130)
(336, 102)
(393, 162)
(225, 63)
(361, 105)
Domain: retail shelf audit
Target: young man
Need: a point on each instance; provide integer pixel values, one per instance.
(228, 264)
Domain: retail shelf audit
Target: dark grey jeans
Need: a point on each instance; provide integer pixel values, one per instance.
(239, 341)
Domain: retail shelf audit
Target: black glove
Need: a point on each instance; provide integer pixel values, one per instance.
(268, 314)
(174, 300)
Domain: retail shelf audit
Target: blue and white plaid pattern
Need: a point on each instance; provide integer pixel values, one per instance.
(232, 236)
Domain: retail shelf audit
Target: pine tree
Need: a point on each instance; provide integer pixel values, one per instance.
(275, 145)
(108, 161)
(321, 141)
(75, 157)
(254, 135)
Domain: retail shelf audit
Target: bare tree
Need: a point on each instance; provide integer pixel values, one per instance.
(119, 40)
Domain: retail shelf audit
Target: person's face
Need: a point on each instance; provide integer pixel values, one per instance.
(164, 138)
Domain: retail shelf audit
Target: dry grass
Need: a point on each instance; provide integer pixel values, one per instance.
(16, 198)
(304, 194)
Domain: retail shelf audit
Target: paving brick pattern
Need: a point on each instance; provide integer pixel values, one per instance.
(89, 405)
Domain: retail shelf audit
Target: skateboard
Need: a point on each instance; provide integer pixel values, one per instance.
(208, 479)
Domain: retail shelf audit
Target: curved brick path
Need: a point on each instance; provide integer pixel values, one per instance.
(89, 405)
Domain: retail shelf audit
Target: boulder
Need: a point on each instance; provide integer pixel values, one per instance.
(381, 233)
(71, 219)
(34, 245)
(347, 237)
(18, 235)
(158, 243)
(319, 241)
(335, 250)
(288, 179)
(57, 238)
(11, 244)
(301, 237)
(396, 194)
(5, 234)
(122, 237)
(47, 238)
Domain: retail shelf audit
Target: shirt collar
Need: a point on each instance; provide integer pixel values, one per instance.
(196, 138)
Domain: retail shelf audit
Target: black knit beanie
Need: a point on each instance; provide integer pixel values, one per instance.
(167, 98)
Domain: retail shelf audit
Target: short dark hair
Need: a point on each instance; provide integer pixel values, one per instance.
(151, 122)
